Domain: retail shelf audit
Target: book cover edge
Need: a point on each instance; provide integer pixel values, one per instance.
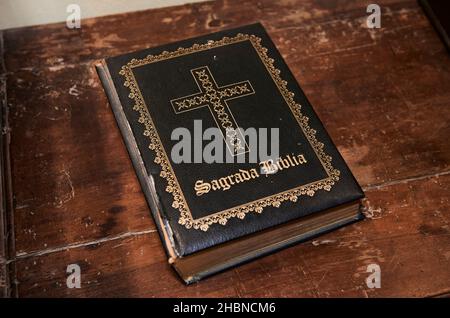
(429, 12)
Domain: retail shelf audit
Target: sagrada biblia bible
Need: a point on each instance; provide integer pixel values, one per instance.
(212, 215)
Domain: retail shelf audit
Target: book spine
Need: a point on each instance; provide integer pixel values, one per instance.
(7, 250)
(146, 180)
(436, 23)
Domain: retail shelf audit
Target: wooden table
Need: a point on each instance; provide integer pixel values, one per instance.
(383, 94)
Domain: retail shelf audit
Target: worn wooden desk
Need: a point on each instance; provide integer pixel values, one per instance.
(383, 94)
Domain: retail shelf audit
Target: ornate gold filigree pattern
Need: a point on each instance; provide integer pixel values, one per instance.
(161, 157)
(215, 97)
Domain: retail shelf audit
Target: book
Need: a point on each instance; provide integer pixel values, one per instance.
(232, 159)
(438, 11)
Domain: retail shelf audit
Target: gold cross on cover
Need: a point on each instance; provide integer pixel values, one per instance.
(215, 97)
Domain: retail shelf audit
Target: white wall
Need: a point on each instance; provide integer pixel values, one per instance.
(17, 13)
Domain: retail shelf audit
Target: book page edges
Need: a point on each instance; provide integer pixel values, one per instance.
(214, 260)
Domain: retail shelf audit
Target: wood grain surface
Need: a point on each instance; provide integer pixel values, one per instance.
(383, 95)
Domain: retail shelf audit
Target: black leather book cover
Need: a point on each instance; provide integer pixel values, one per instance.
(438, 11)
(230, 79)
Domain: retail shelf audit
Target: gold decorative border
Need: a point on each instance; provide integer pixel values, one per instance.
(162, 159)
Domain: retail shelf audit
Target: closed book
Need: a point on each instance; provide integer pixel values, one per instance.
(232, 159)
(438, 11)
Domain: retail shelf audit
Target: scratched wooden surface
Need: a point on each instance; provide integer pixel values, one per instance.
(383, 95)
